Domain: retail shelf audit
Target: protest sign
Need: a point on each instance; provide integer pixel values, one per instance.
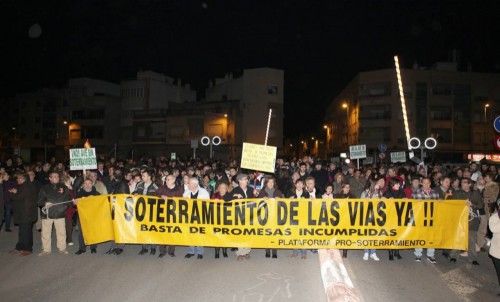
(258, 157)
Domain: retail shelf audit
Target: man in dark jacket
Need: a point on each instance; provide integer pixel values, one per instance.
(147, 187)
(25, 213)
(54, 198)
(475, 201)
(321, 178)
(8, 184)
(86, 190)
(169, 189)
(119, 186)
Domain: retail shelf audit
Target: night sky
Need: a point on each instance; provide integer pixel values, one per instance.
(321, 45)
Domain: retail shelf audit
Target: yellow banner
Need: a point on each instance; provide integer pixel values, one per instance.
(276, 223)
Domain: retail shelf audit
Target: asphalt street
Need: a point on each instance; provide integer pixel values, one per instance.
(130, 277)
(407, 280)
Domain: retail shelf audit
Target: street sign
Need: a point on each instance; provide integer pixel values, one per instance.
(497, 142)
(357, 151)
(194, 143)
(173, 156)
(82, 159)
(382, 148)
(496, 124)
(398, 157)
(258, 157)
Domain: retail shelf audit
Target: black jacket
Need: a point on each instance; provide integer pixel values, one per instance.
(293, 194)
(390, 193)
(320, 179)
(24, 203)
(239, 190)
(54, 194)
(119, 187)
(82, 193)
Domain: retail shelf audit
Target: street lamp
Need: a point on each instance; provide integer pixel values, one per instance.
(327, 139)
(215, 141)
(429, 144)
(485, 107)
(65, 122)
(346, 107)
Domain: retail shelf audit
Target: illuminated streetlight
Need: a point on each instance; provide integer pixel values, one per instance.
(225, 114)
(485, 107)
(312, 138)
(325, 127)
(346, 107)
(402, 99)
(65, 122)
(301, 142)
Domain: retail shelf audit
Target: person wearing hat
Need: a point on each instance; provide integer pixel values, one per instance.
(242, 191)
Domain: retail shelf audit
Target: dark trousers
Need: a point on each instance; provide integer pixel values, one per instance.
(25, 241)
(69, 229)
(8, 215)
(496, 263)
(81, 241)
(167, 248)
(274, 251)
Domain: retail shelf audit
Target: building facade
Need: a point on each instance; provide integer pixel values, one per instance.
(456, 108)
(257, 90)
(150, 91)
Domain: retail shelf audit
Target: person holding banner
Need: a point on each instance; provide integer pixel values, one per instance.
(242, 191)
(221, 193)
(169, 189)
(476, 205)
(194, 191)
(394, 190)
(373, 190)
(86, 190)
(146, 187)
(424, 193)
(270, 191)
(54, 198)
(119, 186)
(344, 193)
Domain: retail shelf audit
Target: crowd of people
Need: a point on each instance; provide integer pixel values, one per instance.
(27, 188)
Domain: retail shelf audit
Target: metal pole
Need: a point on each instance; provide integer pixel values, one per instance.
(115, 150)
(268, 124)
(211, 151)
(485, 120)
(358, 163)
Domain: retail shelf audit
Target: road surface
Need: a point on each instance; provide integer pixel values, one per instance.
(129, 277)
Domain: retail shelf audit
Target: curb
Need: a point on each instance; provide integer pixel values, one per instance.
(336, 280)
